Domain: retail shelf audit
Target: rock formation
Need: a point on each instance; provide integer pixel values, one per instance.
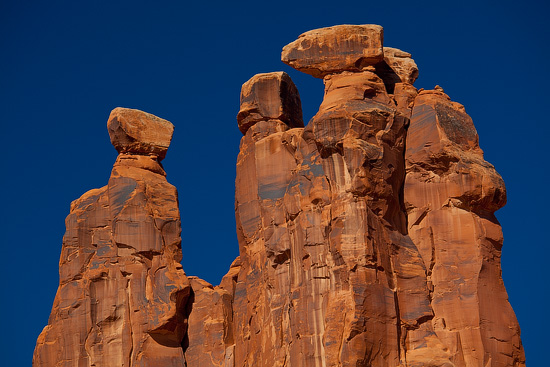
(122, 290)
(451, 195)
(328, 274)
(366, 238)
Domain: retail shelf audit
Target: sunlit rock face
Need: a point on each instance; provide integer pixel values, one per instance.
(359, 243)
(328, 275)
(366, 238)
(331, 50)
(122, 290)
(451, 194)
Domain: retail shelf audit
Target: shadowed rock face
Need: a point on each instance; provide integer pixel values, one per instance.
(122, 291)
(366, 238)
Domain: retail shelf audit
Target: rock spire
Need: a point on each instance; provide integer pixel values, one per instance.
(366, 238)
(122, 290)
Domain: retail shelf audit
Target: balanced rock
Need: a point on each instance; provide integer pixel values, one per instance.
(335, 49)
(335, 268)
(122, 290)
(270, 96)
(137, 132)
(366, 238)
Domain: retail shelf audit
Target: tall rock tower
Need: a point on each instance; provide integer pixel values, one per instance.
(366, 238)
(122, 290)
(451, 194)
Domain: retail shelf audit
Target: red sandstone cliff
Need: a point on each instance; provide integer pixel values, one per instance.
(366, 238)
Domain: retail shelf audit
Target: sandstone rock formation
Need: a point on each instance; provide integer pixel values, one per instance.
(331, 50)
(134, 131)
(451, 194)
(366, 238)
(122, 290)
(270, 97)
(397, 67)
(328, 274)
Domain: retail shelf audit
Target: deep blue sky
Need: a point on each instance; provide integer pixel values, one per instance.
(65, 65)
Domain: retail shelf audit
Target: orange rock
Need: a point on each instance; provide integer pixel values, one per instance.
(122, 291)
(270, 96)
(367, 238)
(404, 95)
(210, 341)
(451, 194)
(327, 275)
(335, 49)
(138, 132)
(401, 64)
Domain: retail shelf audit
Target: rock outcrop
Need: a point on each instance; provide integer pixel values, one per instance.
(366, 238)
(270, 97)
(451, 194)
(328, 274)
(331, 50)
(122, 290)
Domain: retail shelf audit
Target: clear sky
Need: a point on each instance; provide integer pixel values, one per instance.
(64, 65)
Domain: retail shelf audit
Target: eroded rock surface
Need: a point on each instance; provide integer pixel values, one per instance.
(451, 194)
(270, 96)
(330, 50)
(400, 64)
(122, 290)
(366, 238)
(328, 274)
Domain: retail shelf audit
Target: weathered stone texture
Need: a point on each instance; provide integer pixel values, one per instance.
(401, 65)
(366, 238)
(451, 194)
(330, 50)
(138, 132)
(328, 274)
(210, 340)
(270, 96)
(122, 290)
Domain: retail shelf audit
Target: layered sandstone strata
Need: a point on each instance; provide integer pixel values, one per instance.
(122, 291)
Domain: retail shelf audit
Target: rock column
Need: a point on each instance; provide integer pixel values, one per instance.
(366, 238)
(122, 291)
(451, 194)
(328, 276)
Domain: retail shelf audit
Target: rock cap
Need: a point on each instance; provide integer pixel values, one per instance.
(137, 132)
(335, 49)
(402, 64)
(270, 96)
